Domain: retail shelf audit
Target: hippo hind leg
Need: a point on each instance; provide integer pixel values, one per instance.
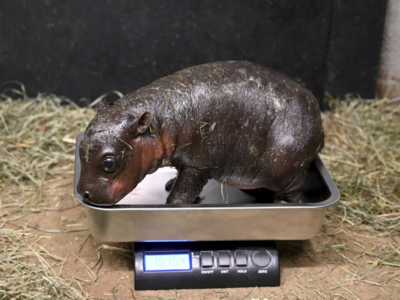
(291, 193)
(290, 190)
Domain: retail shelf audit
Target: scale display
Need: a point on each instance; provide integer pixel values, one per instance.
(167, 262)
(193, 264)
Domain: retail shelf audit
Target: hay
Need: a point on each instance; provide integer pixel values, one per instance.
(362, 152)
(37, 144)
(37, 138)
(27, 269)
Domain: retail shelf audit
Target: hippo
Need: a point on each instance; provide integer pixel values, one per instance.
(236, 122)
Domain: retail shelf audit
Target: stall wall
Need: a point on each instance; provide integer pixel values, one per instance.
(389, 75)
(82, 48)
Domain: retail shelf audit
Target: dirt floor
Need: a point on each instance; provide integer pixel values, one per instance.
(340, 263)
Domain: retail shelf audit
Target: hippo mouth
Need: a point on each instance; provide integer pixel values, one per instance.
(98, 204)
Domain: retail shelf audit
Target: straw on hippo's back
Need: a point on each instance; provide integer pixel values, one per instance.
(236, 122)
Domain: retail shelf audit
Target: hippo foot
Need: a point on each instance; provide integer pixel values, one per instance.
(279, 201)
(291, 197)
(198, 200)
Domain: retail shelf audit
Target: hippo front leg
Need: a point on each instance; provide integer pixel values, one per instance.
(188, 185)
(170, 184)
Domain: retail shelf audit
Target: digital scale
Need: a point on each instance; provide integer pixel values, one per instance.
(224, 240)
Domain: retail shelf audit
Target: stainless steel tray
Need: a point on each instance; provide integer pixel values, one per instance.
(224, 213)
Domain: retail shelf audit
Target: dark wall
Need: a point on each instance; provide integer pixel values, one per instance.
(85, 48)
(355, 47)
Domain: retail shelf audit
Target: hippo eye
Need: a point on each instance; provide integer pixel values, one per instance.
(109, 164)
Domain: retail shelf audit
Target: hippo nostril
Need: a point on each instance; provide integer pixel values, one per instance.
(86, 195)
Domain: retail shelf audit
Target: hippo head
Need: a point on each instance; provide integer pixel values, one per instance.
(115, 155)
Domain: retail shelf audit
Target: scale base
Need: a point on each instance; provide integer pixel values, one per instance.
(194, 265)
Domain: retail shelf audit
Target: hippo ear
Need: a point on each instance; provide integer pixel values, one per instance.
(102, 105)
(140, 124)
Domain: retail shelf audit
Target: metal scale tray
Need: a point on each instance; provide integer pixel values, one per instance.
(223, 213)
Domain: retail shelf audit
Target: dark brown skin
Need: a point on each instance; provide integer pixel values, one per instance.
(236, 122)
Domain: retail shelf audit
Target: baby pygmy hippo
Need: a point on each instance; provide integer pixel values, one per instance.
(236, 122)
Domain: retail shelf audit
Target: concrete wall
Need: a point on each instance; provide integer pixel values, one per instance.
(82, 48)
(389, 74)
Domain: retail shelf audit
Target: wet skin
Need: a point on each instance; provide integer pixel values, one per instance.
(236, 122)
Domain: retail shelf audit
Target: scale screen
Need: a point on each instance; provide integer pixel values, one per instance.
(167, 262)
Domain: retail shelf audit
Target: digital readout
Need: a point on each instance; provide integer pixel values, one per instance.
(167, 262)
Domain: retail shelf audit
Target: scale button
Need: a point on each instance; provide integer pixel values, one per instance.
(206, 259)
(241, 258)
(224, 258)
(261, 259)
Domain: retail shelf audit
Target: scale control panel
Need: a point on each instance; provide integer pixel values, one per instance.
(193, 265)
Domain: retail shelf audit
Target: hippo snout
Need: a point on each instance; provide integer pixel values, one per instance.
(96, 197)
